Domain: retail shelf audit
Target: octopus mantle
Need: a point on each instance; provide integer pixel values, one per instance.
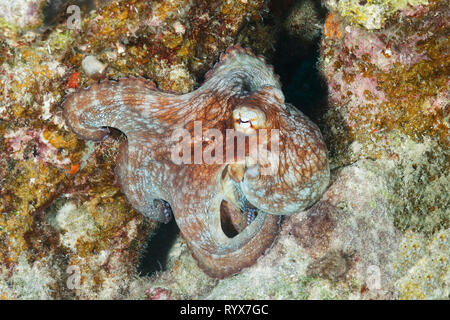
(228, 211)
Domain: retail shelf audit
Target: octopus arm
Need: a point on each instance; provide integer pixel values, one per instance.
(130, 105)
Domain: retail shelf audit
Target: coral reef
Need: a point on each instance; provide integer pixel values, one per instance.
(346, 246)
(380, 231)
(371, 14)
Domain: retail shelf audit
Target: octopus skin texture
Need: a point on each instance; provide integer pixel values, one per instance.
(227, 211)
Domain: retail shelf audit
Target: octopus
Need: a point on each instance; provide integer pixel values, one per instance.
(227, 160)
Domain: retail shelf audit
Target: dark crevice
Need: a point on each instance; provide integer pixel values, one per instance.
(155, 257)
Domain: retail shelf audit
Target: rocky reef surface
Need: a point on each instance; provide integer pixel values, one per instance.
(380, 231)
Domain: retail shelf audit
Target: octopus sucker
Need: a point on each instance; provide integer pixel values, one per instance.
(228, 209)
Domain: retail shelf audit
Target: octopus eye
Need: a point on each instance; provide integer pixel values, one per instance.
(248, 119)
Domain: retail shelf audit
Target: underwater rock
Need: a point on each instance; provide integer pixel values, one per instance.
(242, 94)
(92, 67)
(386, 84)
(388, 102)
(388, 99)
(303, 21)
(372, 15)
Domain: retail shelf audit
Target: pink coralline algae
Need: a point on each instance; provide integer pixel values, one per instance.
(20, 140)
(388, 81)
(240, 93)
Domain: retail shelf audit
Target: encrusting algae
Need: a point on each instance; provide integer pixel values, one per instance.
(67, 231)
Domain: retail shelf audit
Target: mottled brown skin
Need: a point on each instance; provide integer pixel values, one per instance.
(200, 195)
